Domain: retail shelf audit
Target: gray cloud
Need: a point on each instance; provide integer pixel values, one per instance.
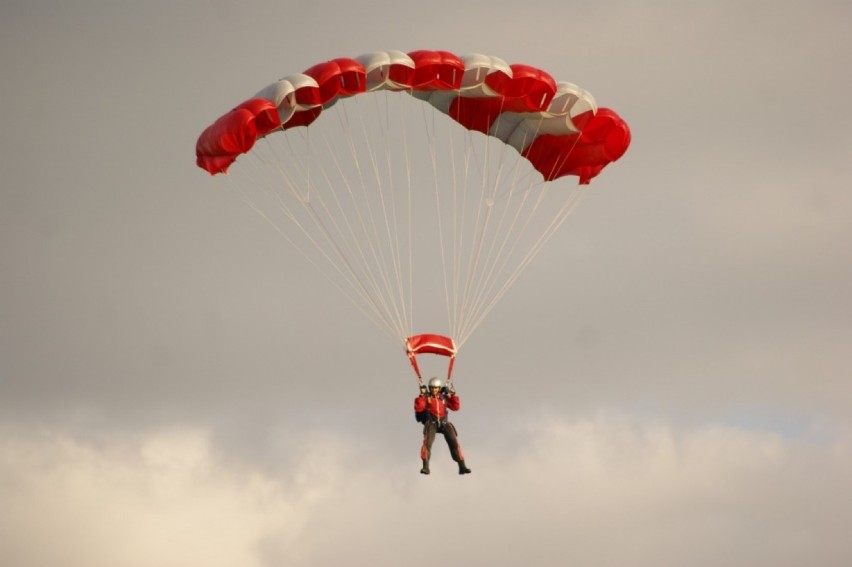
(607, 489)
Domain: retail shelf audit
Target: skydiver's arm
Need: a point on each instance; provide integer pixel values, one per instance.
(453, 402)
(420, 403)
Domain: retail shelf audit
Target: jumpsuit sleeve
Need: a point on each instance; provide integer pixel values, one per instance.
(419, 404)
(454, 403)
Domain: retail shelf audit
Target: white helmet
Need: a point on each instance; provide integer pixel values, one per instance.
(435, 382)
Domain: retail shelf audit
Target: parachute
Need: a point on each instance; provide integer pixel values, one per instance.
(412, 180)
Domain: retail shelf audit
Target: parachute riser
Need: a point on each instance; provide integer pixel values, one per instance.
(413, 359)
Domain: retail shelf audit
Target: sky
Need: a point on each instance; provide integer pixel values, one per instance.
(667, 384)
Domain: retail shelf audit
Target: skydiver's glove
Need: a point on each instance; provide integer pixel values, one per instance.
(452, 391)
(445, 390)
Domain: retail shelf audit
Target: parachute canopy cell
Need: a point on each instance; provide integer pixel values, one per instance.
(555, 125)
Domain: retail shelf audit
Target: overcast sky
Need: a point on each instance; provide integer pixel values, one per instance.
(668, 384)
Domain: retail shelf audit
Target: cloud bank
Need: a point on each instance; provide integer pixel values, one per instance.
(606, 490)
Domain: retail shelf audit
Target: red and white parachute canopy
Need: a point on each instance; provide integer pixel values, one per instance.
(353, 192)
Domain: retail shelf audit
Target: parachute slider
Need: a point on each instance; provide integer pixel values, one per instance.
(430, 344)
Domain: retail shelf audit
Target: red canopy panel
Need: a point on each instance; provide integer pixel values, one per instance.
(583, 147)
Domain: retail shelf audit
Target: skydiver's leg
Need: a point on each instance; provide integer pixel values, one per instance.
(452, 438)
(429, 429)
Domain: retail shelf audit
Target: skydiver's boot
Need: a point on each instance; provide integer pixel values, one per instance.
(463, 468)
(425, 469)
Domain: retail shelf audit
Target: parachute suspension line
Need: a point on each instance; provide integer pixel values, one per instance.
(499, 259)
(430, 127)
(394, 308)
(564, 212)
(482, 222)
(500, 251)
(349, 241)
(504, 243)
(363, 279)
(271, 192)
(409, 238)
(410, 229)
(479, 227)
(407, 307)
(361, 252)
(488, 189)
(457, 234)
(390, 268)
(493, 266)
(375, 300)
(460, 231)
(383, 175)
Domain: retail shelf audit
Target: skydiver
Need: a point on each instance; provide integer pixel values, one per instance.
(430, 408)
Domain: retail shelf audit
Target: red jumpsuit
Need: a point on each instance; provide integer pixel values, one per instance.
(434, 411)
